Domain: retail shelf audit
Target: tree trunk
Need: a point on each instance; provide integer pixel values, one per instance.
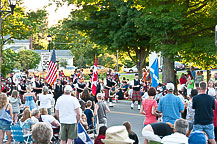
(140, 61)
(208, 76)
(168, 74)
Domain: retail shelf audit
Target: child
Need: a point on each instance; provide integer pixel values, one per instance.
(190, 112)
(131, 134)
(15, 102)
(89, 114)
(84, 121)
(101, 135)
(100, 111)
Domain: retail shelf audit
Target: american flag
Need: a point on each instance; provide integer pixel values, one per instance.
(52, 70)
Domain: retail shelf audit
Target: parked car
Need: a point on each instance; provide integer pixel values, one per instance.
(131, 70)
(179, 66)
(98, 67)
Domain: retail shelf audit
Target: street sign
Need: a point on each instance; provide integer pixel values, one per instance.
(45, 59)
(216, 35)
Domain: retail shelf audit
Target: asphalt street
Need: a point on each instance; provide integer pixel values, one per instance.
(122, 112)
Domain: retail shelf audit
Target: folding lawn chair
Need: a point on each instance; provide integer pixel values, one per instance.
(18, 136)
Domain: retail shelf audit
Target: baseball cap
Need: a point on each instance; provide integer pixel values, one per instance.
(170, 86)
(68, 88)
(197, 137)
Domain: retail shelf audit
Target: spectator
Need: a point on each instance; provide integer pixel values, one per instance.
(49, 119)
(204, 105)
(215, 120)
(84, 121)
(5, 119)
(190, 85)
(190, 111)
(68, 112)
(101, 135)
(117, 135)
(211, 88)
(35, 115)
(193, 73)
(198, 79)
(156, 131)
(15, 103)
(182, 79)
(25, 122)
(45, 99)
(181, 127)
(89, 114)
(42, 133)
(132, 135)
(197, 137)
(149, 107)
(29, 98)
(85, 96)
(100, 111)
(170, 105)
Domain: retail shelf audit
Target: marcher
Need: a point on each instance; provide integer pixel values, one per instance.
(204, 105)
(68, 113)
(136, 92)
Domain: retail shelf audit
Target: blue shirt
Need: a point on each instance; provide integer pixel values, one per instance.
(193, 73)
(171, 106)
(89, 115)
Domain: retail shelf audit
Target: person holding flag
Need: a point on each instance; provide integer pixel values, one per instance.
(94, 79)
(154, 73)
(52, 70)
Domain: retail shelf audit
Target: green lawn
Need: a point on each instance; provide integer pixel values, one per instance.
(131, 76)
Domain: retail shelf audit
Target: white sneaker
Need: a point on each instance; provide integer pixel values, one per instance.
(132, 105)
(139, 107)
(110, 104)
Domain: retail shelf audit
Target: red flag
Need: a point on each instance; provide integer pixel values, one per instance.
(94, 78)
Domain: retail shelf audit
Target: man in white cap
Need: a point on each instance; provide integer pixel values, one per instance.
(68, 112)
(117, 135)
(170, 105)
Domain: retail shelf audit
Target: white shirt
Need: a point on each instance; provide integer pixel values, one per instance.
(66, 104)
(48, 119)
(211, 92)
(45, 100)
(34, 119)
(176, 138)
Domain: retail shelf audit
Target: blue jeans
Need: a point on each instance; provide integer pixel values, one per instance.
(208, 129)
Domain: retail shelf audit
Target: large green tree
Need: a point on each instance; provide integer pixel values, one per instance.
(177, 27)
(20, 25)
(28, 59)
(111, 23)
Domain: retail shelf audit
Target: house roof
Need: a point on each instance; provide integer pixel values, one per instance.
(59, 53)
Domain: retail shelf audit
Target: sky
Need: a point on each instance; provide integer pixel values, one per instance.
(53, 17)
